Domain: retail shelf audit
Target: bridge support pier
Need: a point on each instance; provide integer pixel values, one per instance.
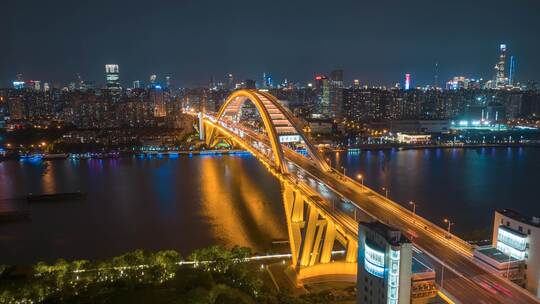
(312, 240)
(202, 129)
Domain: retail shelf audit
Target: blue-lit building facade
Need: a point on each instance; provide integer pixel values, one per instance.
(518, 236)
(384, 265)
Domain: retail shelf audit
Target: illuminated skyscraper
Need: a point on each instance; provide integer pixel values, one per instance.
(436, 76)
(500, 77)
(336, 94)
(153, 79)
(407, 81)
(19, 82)
(337, 78)
(322, 107)
(230, 82)
(384, 265)
(512, 71)
(158, 101)
(137, 84)
(268, 81)
(112, 75)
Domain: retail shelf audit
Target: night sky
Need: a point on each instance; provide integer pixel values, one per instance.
(374, 41)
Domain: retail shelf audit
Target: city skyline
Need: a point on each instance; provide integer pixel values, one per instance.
(306, 40)
(367, 152)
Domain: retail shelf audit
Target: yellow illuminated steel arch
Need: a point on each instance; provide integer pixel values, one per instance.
(312, 151)
(238, 98)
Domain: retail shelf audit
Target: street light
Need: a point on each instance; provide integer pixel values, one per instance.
(449, 226)
(361, 178)
(447, 236)
(385, 192)
(413, 204)
(344, 170)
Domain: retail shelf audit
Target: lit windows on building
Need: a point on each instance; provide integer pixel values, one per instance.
(393, 277)
(512, 242)
(518, 236)
(374, 261)
(384, 265)
(112, 75)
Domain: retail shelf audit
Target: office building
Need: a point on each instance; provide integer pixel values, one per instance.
(384, 265)
(518, 236)
(336, 94)
(112, 75)
(158, 101)
(153, 79)
(512, 71)
(500, 77)
(458, 82)
(407, 81)
(336, 76)
(230, 82)
(250, 84)
(18, 83)
(322, 106)
(268, 81)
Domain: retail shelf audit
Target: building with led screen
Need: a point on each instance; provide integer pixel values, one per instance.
(518, 236)
(384, 265)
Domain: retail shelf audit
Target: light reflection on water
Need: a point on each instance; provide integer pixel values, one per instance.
(187, 202)
(181, 203)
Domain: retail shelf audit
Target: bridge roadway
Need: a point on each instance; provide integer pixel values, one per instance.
(463, 277)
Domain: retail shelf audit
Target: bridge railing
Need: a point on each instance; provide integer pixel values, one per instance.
(413, 217)
(466, 248)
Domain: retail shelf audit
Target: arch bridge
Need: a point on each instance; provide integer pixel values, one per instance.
(314, 232)
(316, 228)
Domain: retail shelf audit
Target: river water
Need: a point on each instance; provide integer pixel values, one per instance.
(185, 202)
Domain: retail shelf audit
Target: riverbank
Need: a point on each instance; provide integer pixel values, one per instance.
(213, 274)
(436, 146)
(112, 155)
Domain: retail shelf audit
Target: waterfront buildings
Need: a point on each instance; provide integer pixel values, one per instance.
(413, 138)
(518, 236)
(515, 250)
